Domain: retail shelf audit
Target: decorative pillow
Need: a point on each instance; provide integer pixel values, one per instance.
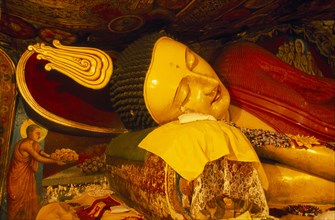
(125, 145)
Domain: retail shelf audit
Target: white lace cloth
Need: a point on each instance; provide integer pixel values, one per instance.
(237, 180)
(189, 117)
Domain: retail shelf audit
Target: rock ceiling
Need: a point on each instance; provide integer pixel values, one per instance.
(112, 24)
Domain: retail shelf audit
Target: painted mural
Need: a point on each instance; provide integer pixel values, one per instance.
(24, 172)
(8, 95)
(275, 59)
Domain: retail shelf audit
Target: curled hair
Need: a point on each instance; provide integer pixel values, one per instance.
(127, 83)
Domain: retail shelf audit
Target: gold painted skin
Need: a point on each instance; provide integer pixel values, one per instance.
(291, 186)
(303, 159)
(193, 85)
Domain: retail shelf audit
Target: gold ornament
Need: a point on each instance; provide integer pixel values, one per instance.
(304, 141)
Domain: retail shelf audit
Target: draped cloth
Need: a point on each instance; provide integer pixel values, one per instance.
(21, 185)
(286, 98)
(188, 147)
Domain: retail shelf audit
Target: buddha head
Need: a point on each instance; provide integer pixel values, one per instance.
(157, 79)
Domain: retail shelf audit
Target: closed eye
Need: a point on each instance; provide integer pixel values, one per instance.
(217, 94)
(191, 59)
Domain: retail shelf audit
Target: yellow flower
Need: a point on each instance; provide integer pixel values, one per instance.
(304, 141)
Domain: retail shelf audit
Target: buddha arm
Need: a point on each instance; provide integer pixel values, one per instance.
(300, 152)
(318, 160)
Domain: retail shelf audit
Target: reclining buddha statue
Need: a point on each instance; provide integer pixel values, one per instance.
(216, 159)
(176, 83)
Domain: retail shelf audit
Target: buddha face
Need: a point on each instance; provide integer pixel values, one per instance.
(179, 81)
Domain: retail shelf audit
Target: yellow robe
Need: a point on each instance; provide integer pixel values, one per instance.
(21, 186)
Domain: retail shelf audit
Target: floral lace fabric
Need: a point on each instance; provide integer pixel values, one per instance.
(224, 180)
(159, 192)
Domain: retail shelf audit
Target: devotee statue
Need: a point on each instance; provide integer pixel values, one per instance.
(23, 200)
